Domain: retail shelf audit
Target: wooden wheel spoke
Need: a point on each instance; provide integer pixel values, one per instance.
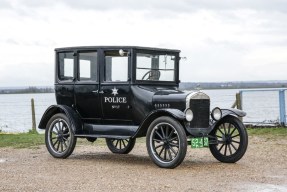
(173, 150)
(233, 131)
(162, 131)
(235, 135)
(169, 154)
(174, 144)
(117, 142)
(235, 141)
(224, 128)
(58, 146)
(173, 139)
(55, 132)
(158, 146)
(165, 152)
(62, 146)
(158, 135)
(229, 127)
(225, 150)
(159, 154)
(233, 146)
(157, 140)
(220, 131)
(170, 134)
(65, 144)
(229, 148)
(55, 143)
(220, 147)
(124, 144)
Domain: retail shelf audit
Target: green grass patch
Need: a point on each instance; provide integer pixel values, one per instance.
(21, 140)
(269, 131)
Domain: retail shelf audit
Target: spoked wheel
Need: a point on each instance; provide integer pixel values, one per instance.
(121, 146)
(232, 140)
(59, 138)
(166, 142)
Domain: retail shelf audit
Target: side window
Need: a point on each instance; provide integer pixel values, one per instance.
(66, 66)
(88, 66)
(116, 66)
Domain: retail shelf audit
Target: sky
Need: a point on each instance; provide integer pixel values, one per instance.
(223, 40)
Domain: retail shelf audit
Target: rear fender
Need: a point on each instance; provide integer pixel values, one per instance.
(72, 115)
(174, 113)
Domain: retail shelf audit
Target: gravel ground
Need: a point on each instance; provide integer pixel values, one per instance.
(93, 168)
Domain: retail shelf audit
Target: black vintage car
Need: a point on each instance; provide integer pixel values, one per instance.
(121, 93)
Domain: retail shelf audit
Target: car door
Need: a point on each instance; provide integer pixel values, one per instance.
(86, 88)
(64, 84)
(115, 87)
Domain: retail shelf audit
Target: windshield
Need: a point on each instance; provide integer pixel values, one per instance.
(155, 67)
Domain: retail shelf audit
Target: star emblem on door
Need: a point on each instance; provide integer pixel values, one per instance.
(114, 91)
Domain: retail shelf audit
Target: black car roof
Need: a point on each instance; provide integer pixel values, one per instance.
(114, 47)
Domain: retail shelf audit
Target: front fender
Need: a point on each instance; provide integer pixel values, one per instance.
(175, 113)
(72, 115)
(225, 114)
(232, 111)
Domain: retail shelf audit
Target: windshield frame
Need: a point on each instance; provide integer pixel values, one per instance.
(159, 52)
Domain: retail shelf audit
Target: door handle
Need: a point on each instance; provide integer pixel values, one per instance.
(97, 91)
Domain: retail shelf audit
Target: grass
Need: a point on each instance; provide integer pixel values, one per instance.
(269, 132)
(21, 140)
(33, 139)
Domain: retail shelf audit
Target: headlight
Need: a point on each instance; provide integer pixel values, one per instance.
(216, 114)
(188, 115)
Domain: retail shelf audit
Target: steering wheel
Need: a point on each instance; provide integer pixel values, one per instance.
(152, 75)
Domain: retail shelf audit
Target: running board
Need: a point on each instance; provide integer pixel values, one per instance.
(102, 136)
(109, 131)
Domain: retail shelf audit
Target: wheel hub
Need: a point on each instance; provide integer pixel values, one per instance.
(227, 138)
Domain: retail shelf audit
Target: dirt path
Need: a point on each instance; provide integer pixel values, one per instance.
(94, 168)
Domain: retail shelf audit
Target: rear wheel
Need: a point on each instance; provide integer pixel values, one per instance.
(232, 140)
(121, 146)
(59, 137)
(166, 142)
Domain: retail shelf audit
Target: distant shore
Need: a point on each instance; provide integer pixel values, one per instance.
(26, 90)
(232, 85)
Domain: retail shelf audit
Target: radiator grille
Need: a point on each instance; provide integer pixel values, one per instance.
(200, 109)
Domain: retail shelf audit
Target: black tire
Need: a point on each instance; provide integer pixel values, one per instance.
(59, 137)
(232, 140)
(121, 146)
(166, 142)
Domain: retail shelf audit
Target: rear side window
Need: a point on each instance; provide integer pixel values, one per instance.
(66, 66)
(88, 66)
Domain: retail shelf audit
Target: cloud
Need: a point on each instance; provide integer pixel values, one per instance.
(4, 4)
(158, 5)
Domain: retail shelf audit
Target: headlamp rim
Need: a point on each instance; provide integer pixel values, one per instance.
(213, 111)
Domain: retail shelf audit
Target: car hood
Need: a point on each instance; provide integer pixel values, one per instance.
(170, 98)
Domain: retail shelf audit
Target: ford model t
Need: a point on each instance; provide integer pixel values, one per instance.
(123, 93)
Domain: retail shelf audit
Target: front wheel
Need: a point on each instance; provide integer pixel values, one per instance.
(121, 146)
(59, 137)
(231, 138)
(166, 142)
